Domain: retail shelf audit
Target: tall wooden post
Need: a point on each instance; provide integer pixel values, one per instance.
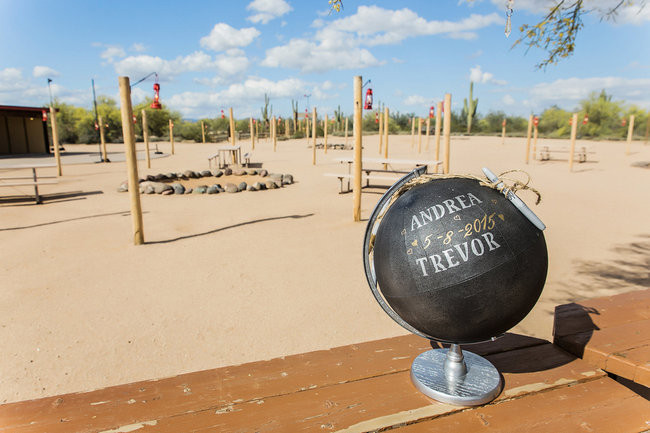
(535, 142)
(128, 132)
(437, 133)
(356, 191)
(503, 132)
(574, 129)
(419, 134)
(251, 132)
(274, 127)
(202, 132)
(530, 130)
(412, 132)
(314, 128)
(307, 129)
(55, 140)
(145, 136)
(647, 130)
(381, 131)
(171, 134)
(346, 132)
(325, 133)
(287, 129)
(630, 133)
(102, 138)
(386, 124)
(446, 131)
(232, 127)
(428, 125)
(257, 131)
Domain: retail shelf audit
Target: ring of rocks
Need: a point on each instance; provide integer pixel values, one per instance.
(202, 182)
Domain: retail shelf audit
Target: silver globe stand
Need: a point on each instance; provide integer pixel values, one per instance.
(449, 376)
(455, 377)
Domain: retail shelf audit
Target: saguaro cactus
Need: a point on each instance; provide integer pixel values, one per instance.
(470, 108)
(294, 107)
(265, 109)
(338, 114)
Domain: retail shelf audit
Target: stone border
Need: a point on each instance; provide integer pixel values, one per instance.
(159, 183)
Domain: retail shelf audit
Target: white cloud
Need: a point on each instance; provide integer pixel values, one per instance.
(11, 79)
(138, 48)
(630, 12)
(112, 52)
(478, 76)
(571, 90)
(416, 100)
(508, 100)
(224, 37)
(16, 89)
(341, 44)
(44, 72)
(267, 10)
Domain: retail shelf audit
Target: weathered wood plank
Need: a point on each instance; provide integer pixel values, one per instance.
(601, 313)
(378, 402)
(153, 399)
(596, 406)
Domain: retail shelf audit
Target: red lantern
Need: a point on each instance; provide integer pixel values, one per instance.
(585, 120)
(254, 122)
(368, 103)
(96, 126)
(570, 120)
(503, 124)
(306, 114)
(223, 116)
(432, 112)
(44, 112)
(376, 117)
(536, 120)
(623, 122)
(156, 95)
(135, 119)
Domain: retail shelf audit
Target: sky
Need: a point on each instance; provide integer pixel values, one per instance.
(212, 55)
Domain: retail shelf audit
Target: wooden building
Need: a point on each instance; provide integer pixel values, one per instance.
(23, 130)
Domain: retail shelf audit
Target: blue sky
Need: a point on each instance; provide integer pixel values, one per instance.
(211, 55)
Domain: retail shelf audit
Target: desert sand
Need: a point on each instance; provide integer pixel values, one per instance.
(231, 278)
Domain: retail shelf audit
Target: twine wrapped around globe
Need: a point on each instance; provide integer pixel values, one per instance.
(454, 259)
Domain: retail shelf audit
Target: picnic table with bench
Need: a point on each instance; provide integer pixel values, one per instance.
(580, 153)
(387, 171)
(33, 180)
(228, 155)
(366, 387)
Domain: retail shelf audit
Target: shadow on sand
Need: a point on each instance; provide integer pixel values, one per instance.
(217, 230)
(124, 213)
(28, 200)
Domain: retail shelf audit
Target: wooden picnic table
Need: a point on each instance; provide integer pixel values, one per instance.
(611, 333)
(356, 388)
(226, 155)
(33, 180)
(382, 171)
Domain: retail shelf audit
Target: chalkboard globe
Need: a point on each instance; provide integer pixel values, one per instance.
(457, 261)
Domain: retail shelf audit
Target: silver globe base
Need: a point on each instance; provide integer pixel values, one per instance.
(456, 377)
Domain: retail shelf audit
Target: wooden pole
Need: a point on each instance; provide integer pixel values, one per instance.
(412, 132)
(419, 134)
(314, 123)
(446, 131)
(630, 133)
(574, 129)
(275, 134)
(102, 138)
(357, 148)
(131, 161)
(257, 131)
(535, 142)
(437, 134)
(325, 133)
(145, 136)
(530, 130)
(232, 127)
(202, 132)
(171, 134)
(55, 140)
(503, 132)
(346, 132)
(381, 131)
(386, 124)
(307, 129)
(287, 129)
(647, 130)
(251, 131)
(428, 124)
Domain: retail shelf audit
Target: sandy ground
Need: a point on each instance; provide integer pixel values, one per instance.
(230, 278)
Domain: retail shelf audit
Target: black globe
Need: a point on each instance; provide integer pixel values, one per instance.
(458, 261)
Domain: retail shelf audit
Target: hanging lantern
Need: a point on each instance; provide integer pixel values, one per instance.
(536, 120)
(376, 117)
(156, 95)
(306, 114)
(503, 124)
(44, 112)
(96, 126)
(570, 120)
(368, 103)
(585, 120)
(432, 112)
(135, 119)
(223, 116)
(623, 122)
